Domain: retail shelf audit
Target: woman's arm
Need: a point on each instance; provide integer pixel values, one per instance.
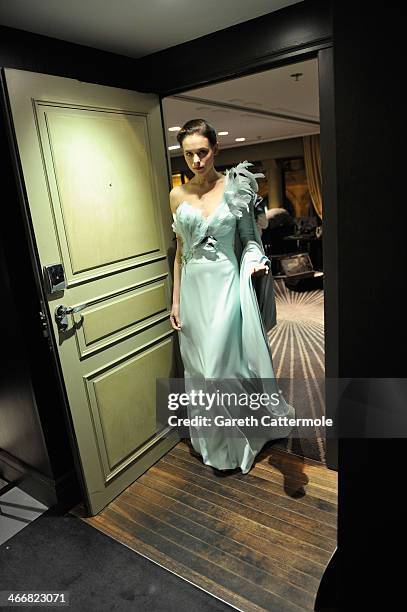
(248, 231)
(174, 316)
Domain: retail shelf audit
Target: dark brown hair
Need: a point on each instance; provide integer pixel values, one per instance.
(198, 126)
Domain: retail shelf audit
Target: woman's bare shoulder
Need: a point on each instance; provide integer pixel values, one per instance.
(177, 195)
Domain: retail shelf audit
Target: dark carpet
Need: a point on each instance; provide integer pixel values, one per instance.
(62, 553)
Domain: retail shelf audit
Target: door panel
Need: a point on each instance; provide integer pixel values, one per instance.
(119, 316)
(94, 167)
(113, 149)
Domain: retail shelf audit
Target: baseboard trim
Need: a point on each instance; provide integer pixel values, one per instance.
(62, 491)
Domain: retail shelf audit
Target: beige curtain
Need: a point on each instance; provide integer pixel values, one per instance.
(312, 157)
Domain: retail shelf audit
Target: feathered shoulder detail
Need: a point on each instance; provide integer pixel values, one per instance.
(241, 188)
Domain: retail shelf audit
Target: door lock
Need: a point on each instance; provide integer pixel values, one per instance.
(54, 278)
(62, 312)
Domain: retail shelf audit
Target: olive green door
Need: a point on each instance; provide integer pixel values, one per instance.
(94, 169)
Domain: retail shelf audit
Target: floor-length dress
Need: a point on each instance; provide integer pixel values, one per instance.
(222, 336)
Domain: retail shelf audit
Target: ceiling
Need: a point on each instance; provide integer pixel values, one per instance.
(131, 27)
(273, 105)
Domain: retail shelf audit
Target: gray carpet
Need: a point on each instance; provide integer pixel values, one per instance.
(297, 346)
(63, 553)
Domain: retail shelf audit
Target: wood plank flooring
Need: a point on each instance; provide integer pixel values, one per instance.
(259, 541)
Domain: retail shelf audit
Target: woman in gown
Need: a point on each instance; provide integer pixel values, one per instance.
(221, 332)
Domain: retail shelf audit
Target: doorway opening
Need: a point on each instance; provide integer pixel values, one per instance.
(271, 119)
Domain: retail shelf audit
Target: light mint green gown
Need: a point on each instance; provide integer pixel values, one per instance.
(223, 342)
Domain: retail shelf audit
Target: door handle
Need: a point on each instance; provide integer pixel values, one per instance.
(62, 312)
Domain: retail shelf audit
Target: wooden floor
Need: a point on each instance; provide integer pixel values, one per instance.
(259, 541)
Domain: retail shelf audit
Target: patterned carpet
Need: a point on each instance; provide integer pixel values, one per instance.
(297, 345)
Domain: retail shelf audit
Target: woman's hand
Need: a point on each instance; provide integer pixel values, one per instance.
(174, 317)
(260, 269)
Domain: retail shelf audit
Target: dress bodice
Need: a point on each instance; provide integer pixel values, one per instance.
(212, 237)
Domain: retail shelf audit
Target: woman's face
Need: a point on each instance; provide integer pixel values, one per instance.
(199, 154)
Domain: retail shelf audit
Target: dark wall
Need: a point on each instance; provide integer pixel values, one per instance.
(27, 51)
(20, 428)
(372, 278)
(367, 96)
(239, 49)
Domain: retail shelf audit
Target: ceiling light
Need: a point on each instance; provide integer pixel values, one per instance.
(223, 133)
(240, 139)
(174, 128)
(174, 147)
